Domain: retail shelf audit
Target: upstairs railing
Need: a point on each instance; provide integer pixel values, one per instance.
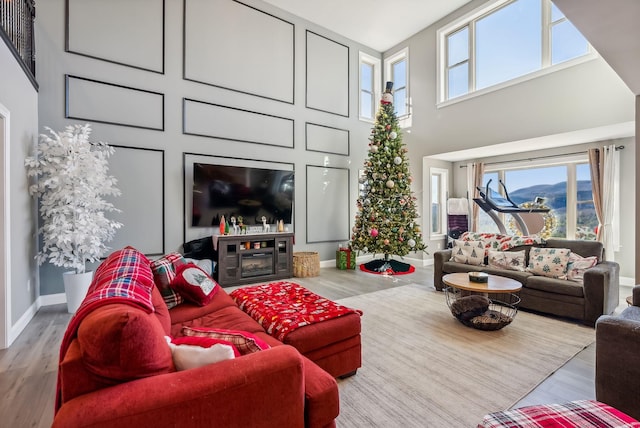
(17, 19)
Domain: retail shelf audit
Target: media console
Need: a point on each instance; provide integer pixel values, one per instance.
(244, 259)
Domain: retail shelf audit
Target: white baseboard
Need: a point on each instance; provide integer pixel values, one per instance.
(628, 281)
(52, 299)
(22, 323)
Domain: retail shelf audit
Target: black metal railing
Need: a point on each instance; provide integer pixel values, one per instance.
(17, 19)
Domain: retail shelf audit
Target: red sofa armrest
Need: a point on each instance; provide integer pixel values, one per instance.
(263, 389)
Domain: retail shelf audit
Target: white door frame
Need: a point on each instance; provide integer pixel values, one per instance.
(5, 231)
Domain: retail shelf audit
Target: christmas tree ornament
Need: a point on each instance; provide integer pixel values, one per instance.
(411, 243)
(393, 135)
(388, 127)
(386, 242)
(374, 149)
(390, 184)
(374, 232)
(397, 160)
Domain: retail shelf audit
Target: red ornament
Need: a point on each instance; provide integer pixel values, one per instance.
(388, 127)
(374, 232)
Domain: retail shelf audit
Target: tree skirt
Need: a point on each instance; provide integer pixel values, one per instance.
(387, 267)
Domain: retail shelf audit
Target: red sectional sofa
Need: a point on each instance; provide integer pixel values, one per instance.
(116, 368)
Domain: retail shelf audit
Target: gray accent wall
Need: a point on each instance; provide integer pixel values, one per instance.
(230, 79)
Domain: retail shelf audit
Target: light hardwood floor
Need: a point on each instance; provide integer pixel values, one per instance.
(28, 368)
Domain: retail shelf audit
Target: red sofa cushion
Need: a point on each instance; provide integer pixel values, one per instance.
(244, 341)
(121, 343)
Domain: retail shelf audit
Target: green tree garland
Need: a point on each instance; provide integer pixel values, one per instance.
(386, 218)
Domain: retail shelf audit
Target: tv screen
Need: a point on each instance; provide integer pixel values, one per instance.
(233, 191)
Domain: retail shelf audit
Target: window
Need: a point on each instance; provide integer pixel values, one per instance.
(438, 212)
(369, 86)
(565, 188)
(503, 42)
(397, 71)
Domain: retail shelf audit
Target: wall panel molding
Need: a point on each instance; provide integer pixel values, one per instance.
(259, 62)
(205, 119)
(113, 104)
(326, 139)
(142, 199)
(110, 31)
(328, 212)
(327, 75)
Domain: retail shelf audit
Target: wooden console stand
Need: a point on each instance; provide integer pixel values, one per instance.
(244, 259)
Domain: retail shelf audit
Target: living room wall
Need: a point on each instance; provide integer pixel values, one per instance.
(139, 100)
(585, 96)
(20, 98)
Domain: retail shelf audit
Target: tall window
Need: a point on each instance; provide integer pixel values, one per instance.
(369, 86)
(502, 42)
(397, 71)
(439, 186)
(565, 188)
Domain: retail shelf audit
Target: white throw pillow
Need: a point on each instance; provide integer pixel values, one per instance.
(468, 252)
(577, 266)
(187, 357)
(509, 260)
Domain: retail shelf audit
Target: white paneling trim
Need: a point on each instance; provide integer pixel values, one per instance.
(93, 100)
(229, 123)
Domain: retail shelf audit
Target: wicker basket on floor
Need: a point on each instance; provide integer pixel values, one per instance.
(306, 264)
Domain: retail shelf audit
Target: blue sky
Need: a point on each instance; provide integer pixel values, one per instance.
(518, 179)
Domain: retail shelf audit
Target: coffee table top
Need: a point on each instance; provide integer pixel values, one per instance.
(495, 284)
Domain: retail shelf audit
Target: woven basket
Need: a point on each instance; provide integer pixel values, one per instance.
(306, 264)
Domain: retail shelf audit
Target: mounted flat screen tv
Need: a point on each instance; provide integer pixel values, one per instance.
(233, 191)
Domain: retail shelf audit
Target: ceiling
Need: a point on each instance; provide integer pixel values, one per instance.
(378, 24)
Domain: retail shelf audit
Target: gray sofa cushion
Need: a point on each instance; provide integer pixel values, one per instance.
(558, 286)
(521, 277)
(584, 248)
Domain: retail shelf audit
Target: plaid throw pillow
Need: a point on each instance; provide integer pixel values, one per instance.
(164, 271)
(245, 342)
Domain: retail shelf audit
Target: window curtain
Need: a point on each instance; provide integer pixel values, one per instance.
(605, 184)
(475, 173)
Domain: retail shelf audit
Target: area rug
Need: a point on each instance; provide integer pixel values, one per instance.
(423, 368)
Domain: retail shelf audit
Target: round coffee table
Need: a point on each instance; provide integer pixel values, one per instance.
(489, 305)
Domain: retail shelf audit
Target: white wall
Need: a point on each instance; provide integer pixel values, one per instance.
(21, 99)
(582, 97)
(54, 63)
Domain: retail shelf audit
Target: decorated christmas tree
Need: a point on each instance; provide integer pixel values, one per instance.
(386, 218)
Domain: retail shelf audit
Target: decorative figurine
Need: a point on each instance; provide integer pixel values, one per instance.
(234, 226)
(265, 227)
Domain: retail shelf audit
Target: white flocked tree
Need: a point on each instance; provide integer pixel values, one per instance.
(72, 181)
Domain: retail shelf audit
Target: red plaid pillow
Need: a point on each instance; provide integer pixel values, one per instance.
(246, 342)
(194, 284)
(164, 271)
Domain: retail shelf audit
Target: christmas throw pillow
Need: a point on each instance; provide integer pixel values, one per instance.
(164, 271)
(550, 262)
(468, 252)
(244, 341)
(194, 284)
(187, 356)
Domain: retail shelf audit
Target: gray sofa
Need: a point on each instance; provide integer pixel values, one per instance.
(599, 295)
(617, 351)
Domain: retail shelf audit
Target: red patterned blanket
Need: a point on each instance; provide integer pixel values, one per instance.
(575, 414)
(282, 307)
(124, 277)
